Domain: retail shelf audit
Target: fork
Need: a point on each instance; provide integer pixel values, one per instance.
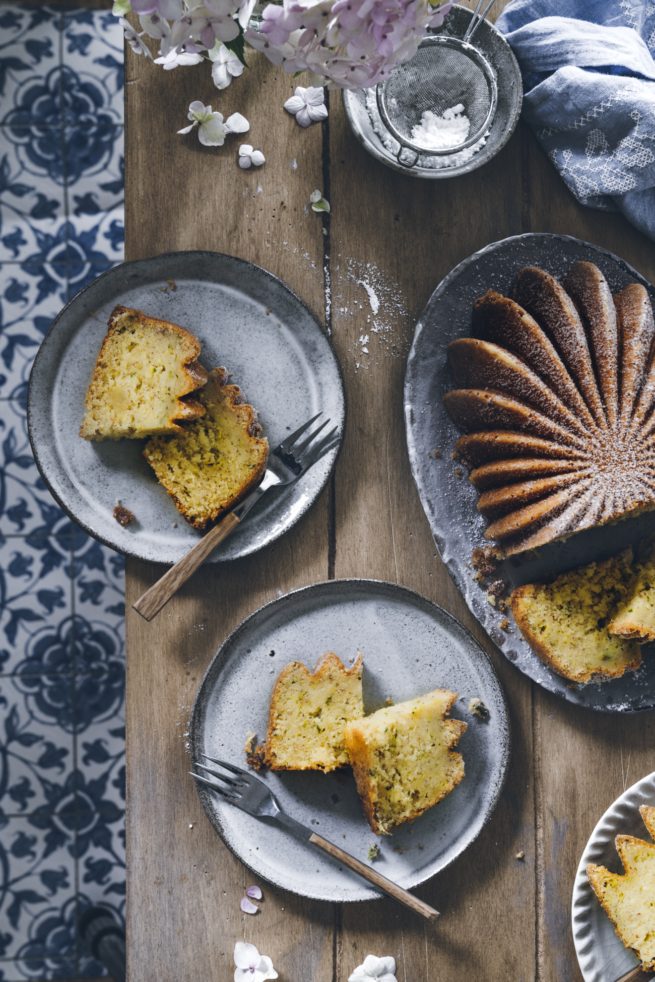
(251, 795)
(292, 458)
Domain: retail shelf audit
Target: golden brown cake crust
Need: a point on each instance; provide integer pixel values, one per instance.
(218, 381)
(192, 374)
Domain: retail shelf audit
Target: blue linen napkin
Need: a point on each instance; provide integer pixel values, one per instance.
(589, 80)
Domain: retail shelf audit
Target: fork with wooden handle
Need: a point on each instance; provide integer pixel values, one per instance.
(634, 975)
(251, 795)
(286, 464)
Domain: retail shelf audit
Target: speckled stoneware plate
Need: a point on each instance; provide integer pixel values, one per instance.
(410, 646)
(601, 955)
(366, 122)
(449, 500)
(247, 321)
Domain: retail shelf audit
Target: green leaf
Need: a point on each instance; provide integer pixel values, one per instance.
(238, 46)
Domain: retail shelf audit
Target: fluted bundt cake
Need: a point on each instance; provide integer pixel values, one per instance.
(403, 758)
(567, 621)
(556, 398)
(308, 713)
(628, 898)
(215, 460)
(143, 372)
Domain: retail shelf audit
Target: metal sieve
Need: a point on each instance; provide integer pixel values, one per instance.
(446, 72)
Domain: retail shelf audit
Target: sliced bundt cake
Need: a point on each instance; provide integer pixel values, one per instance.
(144, 370)
(566, 622)
(556, 400)
(308, 713)
(209, 466)
(403, 758)
(628, 898)
(635, 615)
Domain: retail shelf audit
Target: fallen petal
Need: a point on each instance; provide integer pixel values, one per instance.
(255, 892)
(187, 129)
(236, 123)
(248, 907)
(258, 159)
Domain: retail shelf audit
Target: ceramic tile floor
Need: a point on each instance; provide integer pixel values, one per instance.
(61, 593)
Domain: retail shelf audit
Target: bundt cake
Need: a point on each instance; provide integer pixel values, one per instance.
(143, 372)
(566, 622)
(308, 713)
(635, 616)
(555, 396)
(403, 760)
(215, 460)
(628, 898)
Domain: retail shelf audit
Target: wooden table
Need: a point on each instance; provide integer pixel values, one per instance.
(504, 918)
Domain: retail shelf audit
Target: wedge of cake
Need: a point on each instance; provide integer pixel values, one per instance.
(217, 459)
(635, 616)
(403, 759)
(628, 898)
(143, 373)
(308, 713)
(566, 621)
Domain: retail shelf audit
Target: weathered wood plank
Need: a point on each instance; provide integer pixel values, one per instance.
(184, 886)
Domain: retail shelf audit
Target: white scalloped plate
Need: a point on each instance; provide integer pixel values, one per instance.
(601, 955)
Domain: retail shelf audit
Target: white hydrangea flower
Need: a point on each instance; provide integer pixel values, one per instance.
(307, 105)
(225, 65)
(212, 128)
(134, 39)
(249, 157)
(176, 59)
(374, 969)
(318, 202)
(250, 965)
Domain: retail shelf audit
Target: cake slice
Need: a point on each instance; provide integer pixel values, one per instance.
(209, 466)
(566, 621)
(144, 370)
(628, 898)
(635, 616)
(403, 759)
(308, 713)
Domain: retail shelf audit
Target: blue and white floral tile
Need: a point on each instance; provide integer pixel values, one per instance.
(36, 750)
(25, 318)
(37, 858)
(36, 625)
(30, 50)
(26, 969)
(26, 506)
(93, 53)
(32, 198)
(98, 575)
(95, 168)
(95, 244)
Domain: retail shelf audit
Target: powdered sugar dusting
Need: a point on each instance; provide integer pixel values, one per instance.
(378, 305)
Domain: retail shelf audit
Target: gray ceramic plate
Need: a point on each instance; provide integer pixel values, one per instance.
(410, 646)
(601, 955)
(366, 123)
(247, 321)
(449, 500)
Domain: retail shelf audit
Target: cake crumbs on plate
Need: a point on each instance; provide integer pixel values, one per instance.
(478, 708)
(436, 454)
(520, 856)
(374, 852)
(254, 752)
(123, 515)
(484, 560)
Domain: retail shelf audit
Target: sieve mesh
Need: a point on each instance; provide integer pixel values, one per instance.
(439, 77)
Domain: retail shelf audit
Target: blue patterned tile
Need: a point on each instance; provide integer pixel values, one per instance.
(95, 165)
(46, 969)
(93, 48)
(37, 886)
(98, 582)
(31, 188)
(25, 319)
(95, 244)
(35, 750)
(36, 629)
(26, 505)
(30, 42)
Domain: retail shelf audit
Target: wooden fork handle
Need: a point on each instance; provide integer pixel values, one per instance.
(633, 975)
(151, 602)
(372, 875)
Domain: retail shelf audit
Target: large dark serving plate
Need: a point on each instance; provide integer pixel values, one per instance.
(449, 499)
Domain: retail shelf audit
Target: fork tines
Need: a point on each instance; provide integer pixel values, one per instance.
(229, 788)
(300, 444)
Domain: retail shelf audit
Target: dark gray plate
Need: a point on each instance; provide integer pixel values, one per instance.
(602, 956)
(410, 646)
(247, 321)
(449, 500)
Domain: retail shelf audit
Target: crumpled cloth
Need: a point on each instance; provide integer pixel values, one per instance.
(589, 80)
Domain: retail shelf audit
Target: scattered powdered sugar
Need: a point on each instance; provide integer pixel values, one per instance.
(294, 164)
(442, 132)
(380, 303)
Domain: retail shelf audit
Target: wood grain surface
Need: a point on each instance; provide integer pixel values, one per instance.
(503, 917)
